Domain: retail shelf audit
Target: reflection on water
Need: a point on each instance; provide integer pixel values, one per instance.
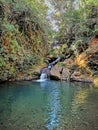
(49, 105)
(55, 107)
(53, 104)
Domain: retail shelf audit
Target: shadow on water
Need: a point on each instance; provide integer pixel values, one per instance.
(49, 105)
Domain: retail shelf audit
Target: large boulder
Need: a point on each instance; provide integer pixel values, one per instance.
(69, 75)
(55, 72)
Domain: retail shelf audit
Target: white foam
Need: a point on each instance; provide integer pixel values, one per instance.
(41, 80)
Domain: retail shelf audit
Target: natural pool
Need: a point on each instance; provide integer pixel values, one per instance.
(49, 105)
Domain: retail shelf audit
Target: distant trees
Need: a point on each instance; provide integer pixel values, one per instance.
(77, 21)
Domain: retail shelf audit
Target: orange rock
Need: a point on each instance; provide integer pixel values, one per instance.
(96, 81)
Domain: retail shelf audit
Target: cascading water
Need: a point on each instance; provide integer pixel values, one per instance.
(45, 72)
(43, 76)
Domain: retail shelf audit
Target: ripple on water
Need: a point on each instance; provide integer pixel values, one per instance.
(49, 105)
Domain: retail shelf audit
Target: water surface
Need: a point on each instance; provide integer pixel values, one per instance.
(49, 105)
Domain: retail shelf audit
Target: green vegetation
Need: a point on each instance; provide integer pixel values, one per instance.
(27, 37)
(23, 38)
(78, 32)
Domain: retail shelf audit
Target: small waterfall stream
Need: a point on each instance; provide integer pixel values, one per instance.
(43, 76)
(45, 72)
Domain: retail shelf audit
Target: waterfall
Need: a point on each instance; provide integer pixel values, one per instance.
(43, 76)
(45, 72)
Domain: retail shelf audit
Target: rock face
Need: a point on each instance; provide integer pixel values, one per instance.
(69, 75)
(55, 71)
(83, 67)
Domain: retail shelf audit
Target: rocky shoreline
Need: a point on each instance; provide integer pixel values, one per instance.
(66, 74)
(76, 76)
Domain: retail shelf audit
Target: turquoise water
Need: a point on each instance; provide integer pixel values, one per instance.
(49, 105)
